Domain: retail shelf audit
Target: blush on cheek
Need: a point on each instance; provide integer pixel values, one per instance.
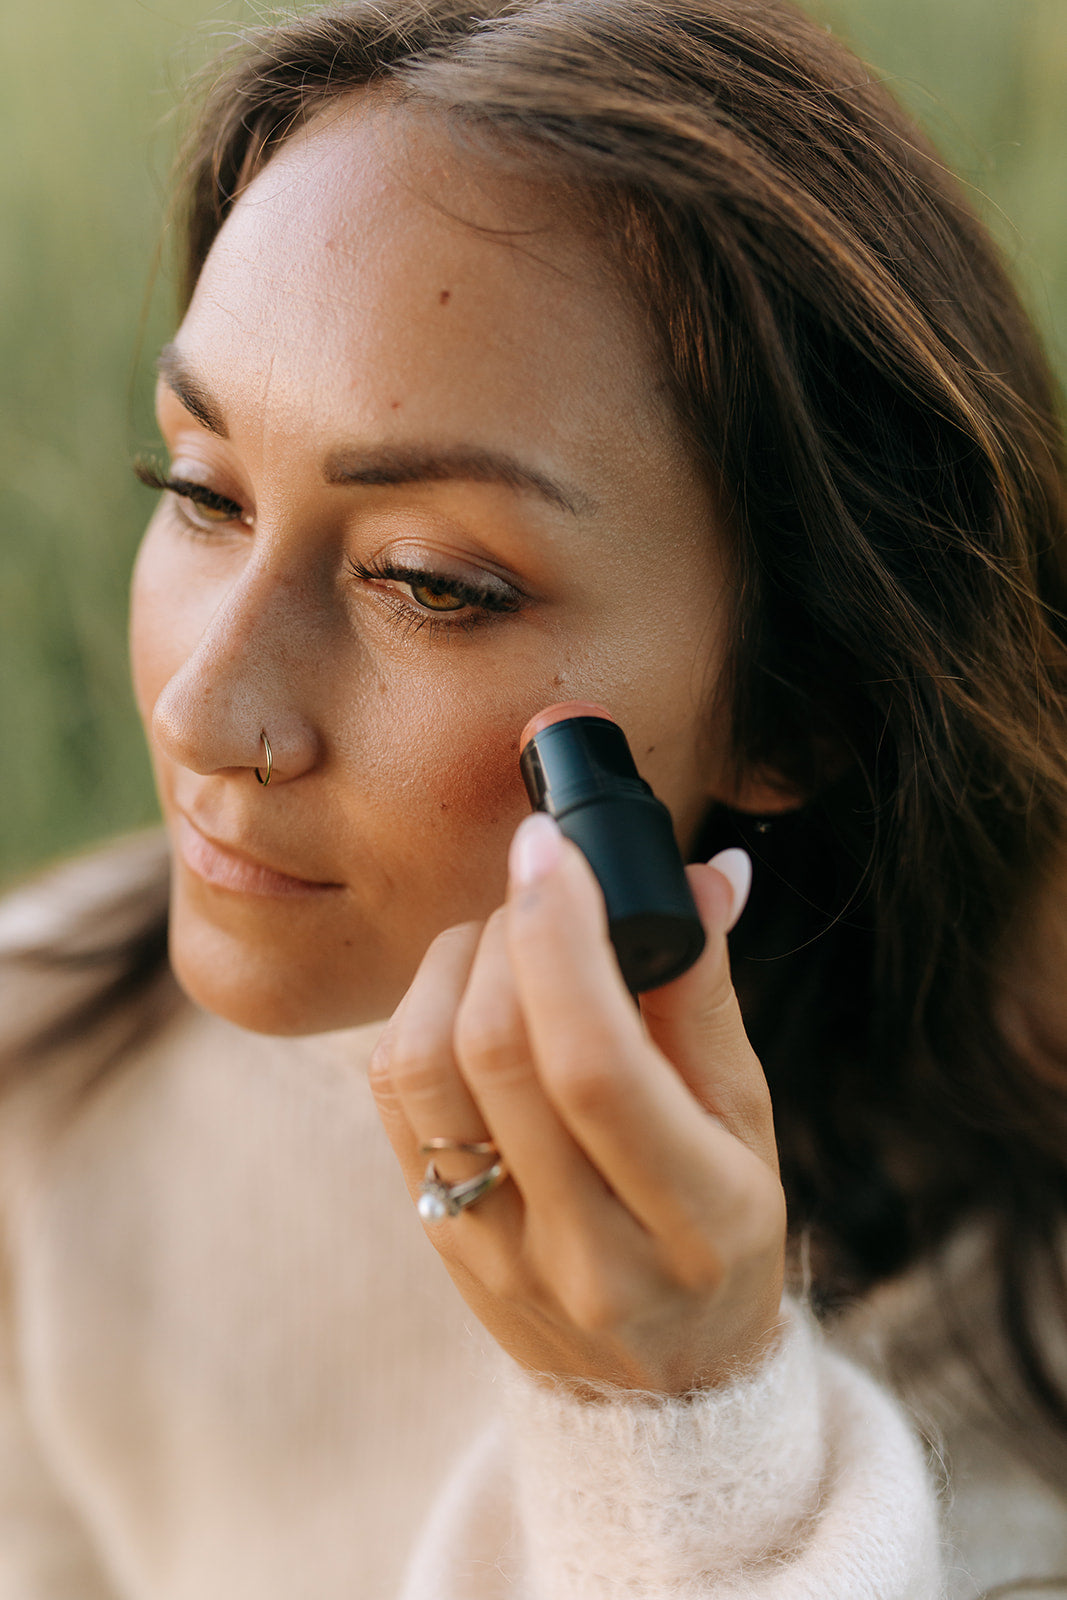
(449, 763)
(452, 813)
(482, 784)
(476, 803)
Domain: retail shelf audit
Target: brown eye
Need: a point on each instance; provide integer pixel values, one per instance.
(198, 505)
(204, 515)
(436, 596)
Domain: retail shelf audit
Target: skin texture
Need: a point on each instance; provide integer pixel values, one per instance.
(350, 306)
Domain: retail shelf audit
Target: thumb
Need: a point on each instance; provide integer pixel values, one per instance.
(696, 1021)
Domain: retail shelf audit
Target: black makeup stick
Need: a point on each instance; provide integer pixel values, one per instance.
(577, 766)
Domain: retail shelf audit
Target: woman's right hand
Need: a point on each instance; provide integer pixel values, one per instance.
(641, 1239)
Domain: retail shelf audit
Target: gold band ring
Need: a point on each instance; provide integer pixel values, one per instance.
(479, 1147)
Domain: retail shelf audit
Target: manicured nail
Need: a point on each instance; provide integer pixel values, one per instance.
(736, 868)
(536, 849)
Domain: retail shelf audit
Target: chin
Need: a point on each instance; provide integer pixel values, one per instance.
(265, 992)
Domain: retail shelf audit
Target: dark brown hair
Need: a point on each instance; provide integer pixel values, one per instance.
(851, 366)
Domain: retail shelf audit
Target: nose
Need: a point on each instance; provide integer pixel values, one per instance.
(248, 676)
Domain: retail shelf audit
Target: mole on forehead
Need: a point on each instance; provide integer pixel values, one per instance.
(348, 464)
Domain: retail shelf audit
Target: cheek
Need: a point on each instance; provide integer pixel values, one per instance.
(486, 786)
(434, 795)
(455, 767)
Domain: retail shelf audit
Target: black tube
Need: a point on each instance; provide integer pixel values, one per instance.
(579, 769)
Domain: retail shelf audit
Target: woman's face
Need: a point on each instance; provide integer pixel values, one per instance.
(437, 488)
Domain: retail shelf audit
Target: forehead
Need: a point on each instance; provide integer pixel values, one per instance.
(375, 262)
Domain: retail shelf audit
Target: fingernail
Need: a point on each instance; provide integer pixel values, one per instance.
(536, 849)
(736, 868)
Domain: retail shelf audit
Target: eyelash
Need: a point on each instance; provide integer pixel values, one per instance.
(186, 489)
(486, 603)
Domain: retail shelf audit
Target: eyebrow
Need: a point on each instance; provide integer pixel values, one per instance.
(170, 364)
(389, 464)
(468, 463)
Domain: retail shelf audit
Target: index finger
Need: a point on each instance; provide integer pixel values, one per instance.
(668, 1160)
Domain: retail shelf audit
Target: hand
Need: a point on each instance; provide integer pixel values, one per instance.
(639, 1239)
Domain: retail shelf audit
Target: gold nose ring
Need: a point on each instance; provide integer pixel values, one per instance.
(270, 760)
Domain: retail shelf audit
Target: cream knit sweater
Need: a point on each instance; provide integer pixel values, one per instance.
(233, 1368)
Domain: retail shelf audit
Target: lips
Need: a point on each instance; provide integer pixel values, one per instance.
(226, 867)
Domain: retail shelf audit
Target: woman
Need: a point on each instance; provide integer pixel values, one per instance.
(549, 351)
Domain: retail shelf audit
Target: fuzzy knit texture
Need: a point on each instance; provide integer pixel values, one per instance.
(232, 1367)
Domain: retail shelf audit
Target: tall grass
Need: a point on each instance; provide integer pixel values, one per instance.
(989, 81)
(85, 88)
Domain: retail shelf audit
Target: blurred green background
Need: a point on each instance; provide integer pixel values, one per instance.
(86, 92)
